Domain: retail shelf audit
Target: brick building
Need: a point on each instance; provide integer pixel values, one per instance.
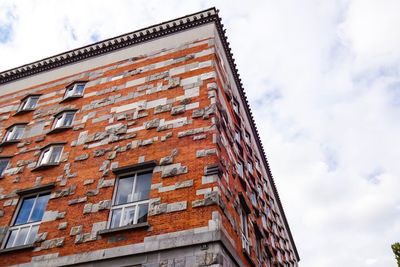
(139, 150)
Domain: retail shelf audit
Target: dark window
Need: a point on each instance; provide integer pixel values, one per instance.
(3, 165)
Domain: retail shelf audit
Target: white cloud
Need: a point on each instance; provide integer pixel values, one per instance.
(323, 78)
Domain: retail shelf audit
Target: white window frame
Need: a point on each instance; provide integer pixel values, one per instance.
(235, 106)
(10, 133)
(62, 116)
(24, 103)
(29, 225)
(244, 230)
(249, 167)
(50, 149)
(247, 137)
(237, 135)
(73, 89)
(239, 168)
(135, 204)
(8, 163)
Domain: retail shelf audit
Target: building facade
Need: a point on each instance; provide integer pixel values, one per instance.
(139, 150)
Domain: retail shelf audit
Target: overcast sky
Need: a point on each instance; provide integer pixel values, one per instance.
(323, 81)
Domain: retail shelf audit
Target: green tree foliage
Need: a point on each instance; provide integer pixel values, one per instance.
(396, 251)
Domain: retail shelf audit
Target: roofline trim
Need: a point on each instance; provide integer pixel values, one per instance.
(111, 44)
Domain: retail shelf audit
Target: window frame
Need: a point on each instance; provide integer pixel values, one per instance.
(8, 163)
(9, 130)
(25, 100)
(62, 115)
(244, 230)
(74, 95)
(25, 194)
(49, 147)
(134, 204)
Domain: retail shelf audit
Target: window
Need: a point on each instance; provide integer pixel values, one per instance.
(28, 103)
(63, 120)
(74, 90)
(235, 106)
(237, 136)
(247, 137)
(245, 230)
(253, 198)
(27, 221)
(259, 247)
(3, 165)
(239, 167)
(250, 167)
(14, 133)
(131, 200)
(50, 155)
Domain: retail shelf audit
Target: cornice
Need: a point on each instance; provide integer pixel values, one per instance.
(109, 45)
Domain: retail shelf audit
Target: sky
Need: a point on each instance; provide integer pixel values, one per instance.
(323, 82)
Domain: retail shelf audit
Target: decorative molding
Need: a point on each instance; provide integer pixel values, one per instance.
(112, 44)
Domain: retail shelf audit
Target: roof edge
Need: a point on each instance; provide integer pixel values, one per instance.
(111, 44)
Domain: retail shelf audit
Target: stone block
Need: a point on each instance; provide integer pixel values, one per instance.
(62, 225)
(82, 157)
(77, 200)
(162, 108)
(152, 124)
(173, 170)
(76, 230)
(178, 110)
(177, 206)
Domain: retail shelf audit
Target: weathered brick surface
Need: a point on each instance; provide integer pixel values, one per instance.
(170, 107)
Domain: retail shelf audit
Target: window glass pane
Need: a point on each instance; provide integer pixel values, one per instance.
(115, 218)
(143, 184)
(20, 240)
(79, 89)
(25, 210)
(57, 122)
(18, 132)
(9, 134)
(31, 103)
(129, 216)
(3, 165)
(45, 156)
(68, 118)
(39, 208)
(240, 169)
(11, 238)
(124, 191)
(23, 104)
(32, 234)
(55, 154)
(143, 210)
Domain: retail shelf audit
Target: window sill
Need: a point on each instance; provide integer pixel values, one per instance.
(70, 98)
(45, 166)
(23, 111)
(17, 248)
(59, 129)
(8, 143)
(144, 225)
